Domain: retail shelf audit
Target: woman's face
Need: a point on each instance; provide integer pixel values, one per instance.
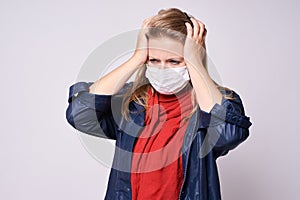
(165, 52)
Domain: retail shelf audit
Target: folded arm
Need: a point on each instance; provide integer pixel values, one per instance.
(226, 124)
(91, 113)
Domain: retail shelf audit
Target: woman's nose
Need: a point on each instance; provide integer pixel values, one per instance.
(162, 65)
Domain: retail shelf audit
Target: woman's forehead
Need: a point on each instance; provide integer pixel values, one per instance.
(166, 47)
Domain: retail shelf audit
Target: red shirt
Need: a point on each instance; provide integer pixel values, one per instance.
(156, 171)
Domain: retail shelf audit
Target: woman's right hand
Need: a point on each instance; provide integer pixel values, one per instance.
(141, 51)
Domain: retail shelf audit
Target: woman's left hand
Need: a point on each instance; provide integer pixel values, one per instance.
(207, 93)
(194, 48)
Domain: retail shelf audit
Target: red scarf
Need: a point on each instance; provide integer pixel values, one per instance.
(156, 171)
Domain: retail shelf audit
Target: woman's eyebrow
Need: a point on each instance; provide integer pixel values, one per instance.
(152, 57)
(176, 58)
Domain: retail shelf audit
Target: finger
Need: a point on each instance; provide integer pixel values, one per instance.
(189, 30)
(204, 34)
(202, 29)
(196, 27)
(146, 21)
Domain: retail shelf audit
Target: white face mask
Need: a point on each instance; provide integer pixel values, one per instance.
(167, 80)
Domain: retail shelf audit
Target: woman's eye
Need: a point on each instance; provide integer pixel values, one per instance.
(153, 60)
(175, 62)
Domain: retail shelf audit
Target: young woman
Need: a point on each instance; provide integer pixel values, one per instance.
(171, 123)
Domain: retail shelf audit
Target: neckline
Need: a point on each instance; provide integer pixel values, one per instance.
(172, 97)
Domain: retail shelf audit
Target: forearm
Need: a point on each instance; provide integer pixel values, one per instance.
(112, 82)
(207, 93)
(226, 125)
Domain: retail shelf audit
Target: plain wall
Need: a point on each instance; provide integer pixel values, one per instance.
(253, 44)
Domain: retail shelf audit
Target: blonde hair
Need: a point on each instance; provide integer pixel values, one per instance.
(168, 23)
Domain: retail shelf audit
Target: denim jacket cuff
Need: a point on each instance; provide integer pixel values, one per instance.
(95, 101)
(222, 113)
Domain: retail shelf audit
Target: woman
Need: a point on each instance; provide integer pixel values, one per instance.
(171, 123)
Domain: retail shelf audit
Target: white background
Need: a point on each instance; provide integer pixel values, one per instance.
(253, 44)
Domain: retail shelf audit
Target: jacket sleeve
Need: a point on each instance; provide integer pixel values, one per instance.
(91, 113)
(226, 124)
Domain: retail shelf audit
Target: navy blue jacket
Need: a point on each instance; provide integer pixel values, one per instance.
(207, 137)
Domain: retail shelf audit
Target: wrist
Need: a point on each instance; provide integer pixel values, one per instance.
(137, 61)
